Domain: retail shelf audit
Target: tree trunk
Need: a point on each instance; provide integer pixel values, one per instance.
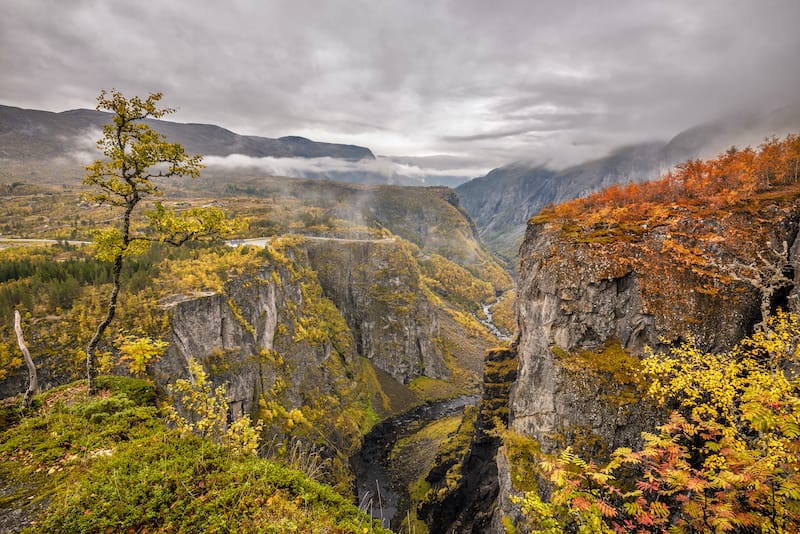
(91, 349)
(33, 382)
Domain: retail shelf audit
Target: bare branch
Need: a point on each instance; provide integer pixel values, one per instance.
(33, 382)
(767, 276)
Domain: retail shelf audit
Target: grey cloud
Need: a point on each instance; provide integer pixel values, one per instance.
(556, 81)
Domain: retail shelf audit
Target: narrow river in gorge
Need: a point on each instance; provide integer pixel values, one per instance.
(379, 493)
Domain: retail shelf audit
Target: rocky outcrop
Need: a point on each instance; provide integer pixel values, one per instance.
(376, 285)
(289, 335)
(588, 306)
(465, 489)
(570, 303)
(277, 344)
(507, 509)
(586, 311)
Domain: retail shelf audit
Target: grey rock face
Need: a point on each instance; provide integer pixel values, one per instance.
(374, 289)
(506, 508)
(580, 298)
(563, 303)
(376, 286)
(233, 333)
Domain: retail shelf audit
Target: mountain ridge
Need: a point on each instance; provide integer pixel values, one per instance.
(46, 132)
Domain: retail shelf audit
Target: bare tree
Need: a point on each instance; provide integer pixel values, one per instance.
(767, 274)
(33, 382)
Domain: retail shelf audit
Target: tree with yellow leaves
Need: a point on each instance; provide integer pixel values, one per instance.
(136, 160)
(205, 413)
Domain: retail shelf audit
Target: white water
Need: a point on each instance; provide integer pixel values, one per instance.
(489, 321)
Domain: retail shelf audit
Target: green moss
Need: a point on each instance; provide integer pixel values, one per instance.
(435, 431)
(428, 388)
(109, 464)
(10, 412)
(371, 419)
(616, 374)
(455, 448)
(446, 471)
(140, 392)
(524, 455)
(377, 395)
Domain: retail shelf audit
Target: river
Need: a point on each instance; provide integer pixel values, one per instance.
(488, 322)
(379, 493)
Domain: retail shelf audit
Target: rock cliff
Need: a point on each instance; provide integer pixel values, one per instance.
(280, 347)
(592, 296)
(586, 311)
(464, 486)
(296, 339)
(377, 287)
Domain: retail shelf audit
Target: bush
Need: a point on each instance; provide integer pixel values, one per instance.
(727, 460)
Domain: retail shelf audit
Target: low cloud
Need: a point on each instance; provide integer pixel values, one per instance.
(84, 145)
(544, 80)
(381, 169)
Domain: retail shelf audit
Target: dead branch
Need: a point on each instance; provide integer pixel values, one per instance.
(767, 276)
(33, 383)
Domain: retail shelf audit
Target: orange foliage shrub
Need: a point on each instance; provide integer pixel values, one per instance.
(735, 176)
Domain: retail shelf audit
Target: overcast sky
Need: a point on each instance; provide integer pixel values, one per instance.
(485, 82)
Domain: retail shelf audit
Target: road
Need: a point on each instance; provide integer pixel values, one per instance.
(262, 241)
(6, 242)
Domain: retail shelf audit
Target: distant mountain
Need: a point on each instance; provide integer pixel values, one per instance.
(502, 201)
(42, 146)
(32, 134)
(35, 137)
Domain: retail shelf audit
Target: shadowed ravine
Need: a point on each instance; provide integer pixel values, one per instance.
(378, 491)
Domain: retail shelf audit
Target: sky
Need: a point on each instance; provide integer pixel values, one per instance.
(465, 85)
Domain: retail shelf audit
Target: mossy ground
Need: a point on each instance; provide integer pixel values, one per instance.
(430, 389)
(110, 464)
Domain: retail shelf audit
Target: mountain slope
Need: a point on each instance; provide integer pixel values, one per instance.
(33, 135)
(46, 147)
(502, 201)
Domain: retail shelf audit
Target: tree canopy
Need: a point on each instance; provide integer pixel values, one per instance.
(137, 160)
